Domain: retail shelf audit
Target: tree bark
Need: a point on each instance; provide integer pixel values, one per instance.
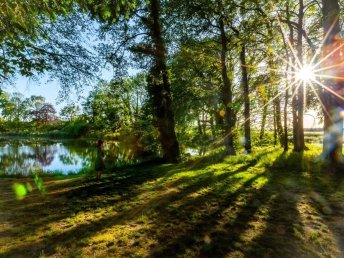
(299, 141)
(286, 141)
(286, 98)
(246, 92)
(277, 99)
(275, 127)
(227, 97)
(160, 89)
(264, 115)
(333, 121)
(279, 128)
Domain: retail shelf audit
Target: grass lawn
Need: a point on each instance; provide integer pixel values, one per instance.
(267, 204)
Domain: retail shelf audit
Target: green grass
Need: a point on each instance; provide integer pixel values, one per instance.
(268, 204)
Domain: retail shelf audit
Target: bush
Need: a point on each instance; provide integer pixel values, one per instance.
(76, 128)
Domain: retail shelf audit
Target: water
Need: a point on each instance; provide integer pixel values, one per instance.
(29, 156)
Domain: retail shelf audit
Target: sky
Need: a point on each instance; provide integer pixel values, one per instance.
(49, 89)
(44, 87)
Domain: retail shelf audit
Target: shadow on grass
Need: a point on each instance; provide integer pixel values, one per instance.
(202, 213)
(229, 226)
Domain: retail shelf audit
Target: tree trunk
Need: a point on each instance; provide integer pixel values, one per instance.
(245, 85)
(333, 121)
(277, 99)
(293, 89)
(264, 115)
(160, 89)
(279, 128)
(199, 127)
(227, 97)
(275, 127)
(286, 99)
(212, 126)
(299, 142)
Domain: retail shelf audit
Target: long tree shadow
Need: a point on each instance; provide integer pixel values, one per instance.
(326, 193)
(76, 196)
(87, 230)
(206, 222)
(223, 231)
(207, 214)
(294, 228)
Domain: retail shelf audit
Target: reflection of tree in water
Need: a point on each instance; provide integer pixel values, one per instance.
(15, 159)
(121, 151)
(69, 159)
(45, 154)
(27, 156)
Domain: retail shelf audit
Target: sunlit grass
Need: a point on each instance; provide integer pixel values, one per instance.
(243, 205)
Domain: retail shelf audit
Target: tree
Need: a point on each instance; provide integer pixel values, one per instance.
(227, 95)
(207, 22)
(46, 113)
(46, 37)
(35, 104)
(19, 33)
(70, 112)
(108, 106)
(158, 82)
(333, 121)
(159, 87)
(16, 108)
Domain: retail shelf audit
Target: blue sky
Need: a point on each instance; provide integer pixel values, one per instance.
(49, 89)
(43, 87)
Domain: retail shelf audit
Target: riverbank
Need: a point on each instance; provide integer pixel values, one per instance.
(267, 204)
(52, 135)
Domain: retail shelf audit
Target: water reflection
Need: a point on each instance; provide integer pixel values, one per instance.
(29, 156)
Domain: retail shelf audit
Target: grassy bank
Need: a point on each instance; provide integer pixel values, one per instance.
(267, 204)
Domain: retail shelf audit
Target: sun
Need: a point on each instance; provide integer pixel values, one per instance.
(305, 74)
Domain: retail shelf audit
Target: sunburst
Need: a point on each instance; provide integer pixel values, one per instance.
(321, 72)
(305, 74)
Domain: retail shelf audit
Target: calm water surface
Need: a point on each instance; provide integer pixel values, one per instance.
(28, 156)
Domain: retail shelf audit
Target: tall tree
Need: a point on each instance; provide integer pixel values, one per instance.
(227, 94)
(153, 47)
(159, 87)
(299, 91)
(333, 106)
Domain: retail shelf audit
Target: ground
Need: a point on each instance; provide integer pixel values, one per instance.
(266, 204)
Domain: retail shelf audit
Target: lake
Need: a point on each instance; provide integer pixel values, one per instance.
(29, 156)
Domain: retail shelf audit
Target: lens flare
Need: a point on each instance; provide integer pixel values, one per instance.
(305, 74)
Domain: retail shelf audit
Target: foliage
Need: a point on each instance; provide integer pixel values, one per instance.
(70, 112)
(76, 128)
(209, 73)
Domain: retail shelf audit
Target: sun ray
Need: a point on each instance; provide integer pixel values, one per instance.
(323, 42)
(265, 67)
(286, 61)
(301, 75)
(328, 89)
(283, 79)
(330, 77)
(317, 95)
(268, 103)
(328, 55)
(329, 67)
(298, 61)
(296, 88)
